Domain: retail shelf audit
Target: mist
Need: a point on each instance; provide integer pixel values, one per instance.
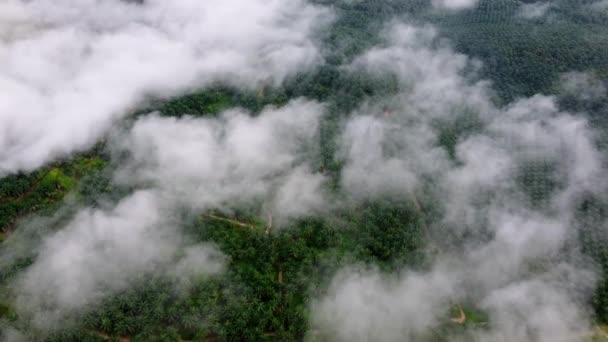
(494, 186)
(534, 10)
(498, 246)
(70, 69)
(454, 4)
(236, 158)
(74, 69)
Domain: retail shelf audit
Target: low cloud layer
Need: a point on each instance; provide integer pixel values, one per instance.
(363, 305)
(102, 251)
(600, 6)
(505, 179)
(189, 163)
(69, 69)
(454, 4)
(236, 158)
(504, 245)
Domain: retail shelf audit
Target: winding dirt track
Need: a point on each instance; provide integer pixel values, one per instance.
(231, 221)
(462, 317)
(107, 337)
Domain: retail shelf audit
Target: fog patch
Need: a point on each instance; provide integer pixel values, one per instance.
(583, 85)
(516, 261)
(176, 166)
(454, 4)
(236, 158)
(102, 251)
(70, 69)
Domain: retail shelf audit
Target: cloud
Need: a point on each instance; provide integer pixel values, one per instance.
(601, 5)
(524, 302)
(301, 193)
(70, 69)
(192, 164)
(498, 250)
(534, 310)
(381, 146)
(441, 131)
(9, 334)
(534, 10)
(233, 159)
(363, 305)
(454, 4)
(103, 250)
(390, 136)
(583, 85)
(369, 170)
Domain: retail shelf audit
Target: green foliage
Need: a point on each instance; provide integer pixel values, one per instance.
(22, 194)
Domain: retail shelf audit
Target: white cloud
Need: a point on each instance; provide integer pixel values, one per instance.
(534, 10)
(236, 158)
(513, 262)
(454, 4)
(583, 85)
(69, 69)
(601, 5)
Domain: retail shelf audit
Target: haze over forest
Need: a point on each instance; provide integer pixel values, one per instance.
(304, 170)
